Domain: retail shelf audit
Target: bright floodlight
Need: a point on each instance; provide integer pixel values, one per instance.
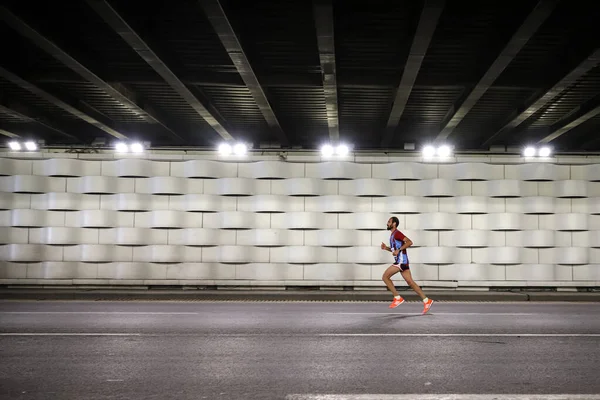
(529, 152)
(342, 150)
(121, 147)
(444, 151)
(225, 149)
(137, 148)
(545, 151)
(428, 151)
(240, 149)
(31, 146)
(15, 146)
(327, 150)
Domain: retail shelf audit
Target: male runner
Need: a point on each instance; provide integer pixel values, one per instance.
(398, 245)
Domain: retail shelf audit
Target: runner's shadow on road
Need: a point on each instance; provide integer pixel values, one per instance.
(399, 317)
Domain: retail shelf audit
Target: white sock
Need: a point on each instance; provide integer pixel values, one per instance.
(397, 297)
(425, 300)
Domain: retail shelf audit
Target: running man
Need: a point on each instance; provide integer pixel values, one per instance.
(398, 245)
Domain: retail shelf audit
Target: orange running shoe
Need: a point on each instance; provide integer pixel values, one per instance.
(427, 305)
(396, 302)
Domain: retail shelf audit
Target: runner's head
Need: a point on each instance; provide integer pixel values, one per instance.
(392, 223)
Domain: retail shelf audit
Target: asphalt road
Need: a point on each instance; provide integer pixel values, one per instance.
(264, 350)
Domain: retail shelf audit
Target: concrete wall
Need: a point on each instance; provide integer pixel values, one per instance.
(270, 223)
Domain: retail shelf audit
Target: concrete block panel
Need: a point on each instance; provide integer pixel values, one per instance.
(206, 169)
(270, 272)
(36, 218)
(304, 220)
(338, 170)
(190, 271)
(236, 220)
(9, 201)
(471, 172)
(165, 254)
(586, 206)
(167, 219)
(564, 189)
(505, 222)
(271, 170)
(132, 270)
(593, 189)
(533, 238)
(505, 188)
(337, 238)
(537, 172)
(236, 186)
(337, 204)
(586, 172)
(365, 221)
(65, 201)
(63, 236)
(66, 167)
(586, 272)
(270, 203)
(505, 255)
(472, 272)
(565, 222)
(99, 219)
(438, 188)
(539, 272)
(32, 184)
(100, 185)
(303, 254)
(202, 203)
(97, 253)
(371, 188)
(235, 254)
(132, 236)
(337, 272)
(565, 256)
(439, 221)
(364, 255)
(62, 270)
(16, 167)
(168, 185)
(405, 171)
(304, 187)
(133, 202)
(472, 205)
(10, 270)
(439, 255)
(472, 238)
(269, 237)
(134, 168)
(538, 205)
(30, 253)
(405, 204)
(587, 239)
(200, 237)
(14, 235)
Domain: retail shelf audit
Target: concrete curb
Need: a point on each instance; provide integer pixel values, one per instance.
(297, 295)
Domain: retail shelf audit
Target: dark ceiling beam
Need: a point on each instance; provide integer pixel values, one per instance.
(21, 112)
(583, 68)
(127, 99)
(430, 16)
(531, 24)
(71, 109)
(8, 133)
(120, 26)
(581, 114)
(323, 16)
(220, 23)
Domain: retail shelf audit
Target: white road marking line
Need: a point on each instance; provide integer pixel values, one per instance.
(99, 312)
(433, 313)
(442, 397)
(416, 335)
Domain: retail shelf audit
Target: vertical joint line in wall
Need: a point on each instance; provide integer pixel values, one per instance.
(304, 173)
